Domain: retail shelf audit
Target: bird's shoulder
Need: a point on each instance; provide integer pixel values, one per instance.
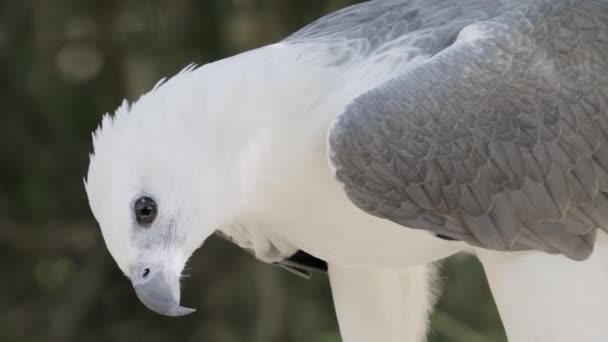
(500, 140)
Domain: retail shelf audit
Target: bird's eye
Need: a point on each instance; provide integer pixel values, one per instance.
(145, 211)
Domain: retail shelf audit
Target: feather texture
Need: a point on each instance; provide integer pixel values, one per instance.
(499, 139)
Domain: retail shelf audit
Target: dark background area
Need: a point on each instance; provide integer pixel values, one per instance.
(64, 63)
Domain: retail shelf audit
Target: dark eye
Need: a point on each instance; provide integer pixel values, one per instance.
(145, 211)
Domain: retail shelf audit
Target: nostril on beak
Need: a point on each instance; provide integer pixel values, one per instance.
(145, 273)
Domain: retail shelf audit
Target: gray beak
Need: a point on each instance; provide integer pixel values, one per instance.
(159, 291)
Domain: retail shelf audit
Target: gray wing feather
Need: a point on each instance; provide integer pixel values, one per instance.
(384, 23)
(499, 140)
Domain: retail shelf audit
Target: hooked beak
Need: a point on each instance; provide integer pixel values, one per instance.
(159, 291)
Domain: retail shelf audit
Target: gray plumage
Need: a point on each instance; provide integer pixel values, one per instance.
(499, 138)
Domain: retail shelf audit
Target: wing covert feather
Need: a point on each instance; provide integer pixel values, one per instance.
(499, 140)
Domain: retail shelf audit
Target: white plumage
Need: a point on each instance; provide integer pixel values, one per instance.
(241, 144)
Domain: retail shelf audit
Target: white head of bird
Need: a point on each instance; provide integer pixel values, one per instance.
(154, 212)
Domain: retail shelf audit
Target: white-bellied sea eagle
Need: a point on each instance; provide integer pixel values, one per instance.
(373, 142)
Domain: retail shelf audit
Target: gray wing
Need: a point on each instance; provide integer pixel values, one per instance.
(500, 140)
(381, 22)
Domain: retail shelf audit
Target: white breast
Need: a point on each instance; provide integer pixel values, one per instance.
(296, 202)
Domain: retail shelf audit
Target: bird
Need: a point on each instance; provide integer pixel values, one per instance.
(372, 143)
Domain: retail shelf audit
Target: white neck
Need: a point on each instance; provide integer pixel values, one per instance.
(269, 111)
(260, 110)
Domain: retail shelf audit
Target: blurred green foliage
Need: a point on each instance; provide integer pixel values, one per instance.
(65, 62)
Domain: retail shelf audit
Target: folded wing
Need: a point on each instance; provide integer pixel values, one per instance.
(499, 140)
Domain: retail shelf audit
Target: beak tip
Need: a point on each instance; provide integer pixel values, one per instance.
(183, 311)
(166, 308)
(157, 295)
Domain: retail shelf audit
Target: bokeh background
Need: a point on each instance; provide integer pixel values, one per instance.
(63, 63)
